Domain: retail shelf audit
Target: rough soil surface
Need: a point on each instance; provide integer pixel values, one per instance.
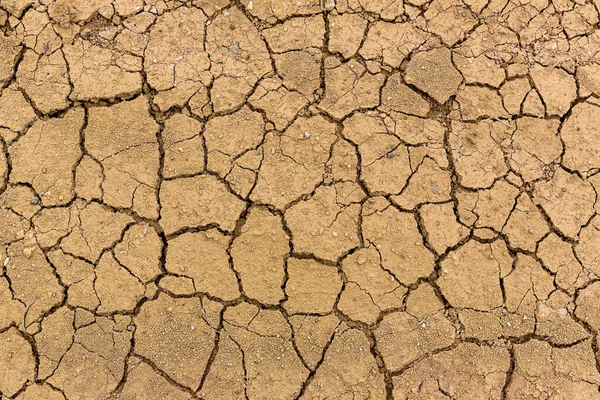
(300, 199)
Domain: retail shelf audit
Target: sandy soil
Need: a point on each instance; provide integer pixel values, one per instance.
(299, 199)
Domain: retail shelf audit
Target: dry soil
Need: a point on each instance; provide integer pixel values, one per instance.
(299, 199)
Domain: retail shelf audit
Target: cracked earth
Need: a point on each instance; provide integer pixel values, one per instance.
(299, 199)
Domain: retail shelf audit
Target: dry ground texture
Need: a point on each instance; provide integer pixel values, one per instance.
(299, 199)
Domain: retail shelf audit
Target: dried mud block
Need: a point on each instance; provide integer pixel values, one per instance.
(40, 391)
(580, 137)
(466, 371)
(174, 336)
(280, 10)
(98, 229)
(450, 20)
(471, 275)
(526, 225)
(95, 362)
(404, 337)
(17, 362)
(45, 79)
(348, 367)
(143, 380)
(543, 370)
(442, 227)
(46, 156)
(350, 87)
(334, 232)
(199, 201)
(396, 96)
(477, 102)
(54, 340)
(557, 88)
(140, 251)
(15, 112)
(226, 377)
(79, 276)
(559, 257)
(272, 367)
(183, 147)
(480, 70)
(99, 73)
(300, 70)
(312, 287)
(536, 146)
(370, 289)
(392, 42)
(428, 184)
(123, 138)
(203, 257)
(401, 246)
(586, 248)
(10, 50)
(33, 281)
(279, 104)
(117, 288)
(294, 162)
(230, 136)
(477, 154)
(239, 58)
(568, 201)
(346, 33)
(434, 73)
(312, 334)
(296, 34)
(385, 167)
(259, 254)
(175, 54)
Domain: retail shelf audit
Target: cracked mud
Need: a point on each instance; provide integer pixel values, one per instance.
(299, 199)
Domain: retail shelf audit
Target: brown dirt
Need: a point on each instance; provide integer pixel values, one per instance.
(299, 199)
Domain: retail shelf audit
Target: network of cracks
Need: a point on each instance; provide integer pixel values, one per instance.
(299, 199)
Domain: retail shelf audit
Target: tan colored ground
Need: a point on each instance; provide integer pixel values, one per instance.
(299, 199)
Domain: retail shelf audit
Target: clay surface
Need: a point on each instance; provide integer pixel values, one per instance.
(300, 199)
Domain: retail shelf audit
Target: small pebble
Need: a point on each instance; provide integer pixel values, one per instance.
(34, 202)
